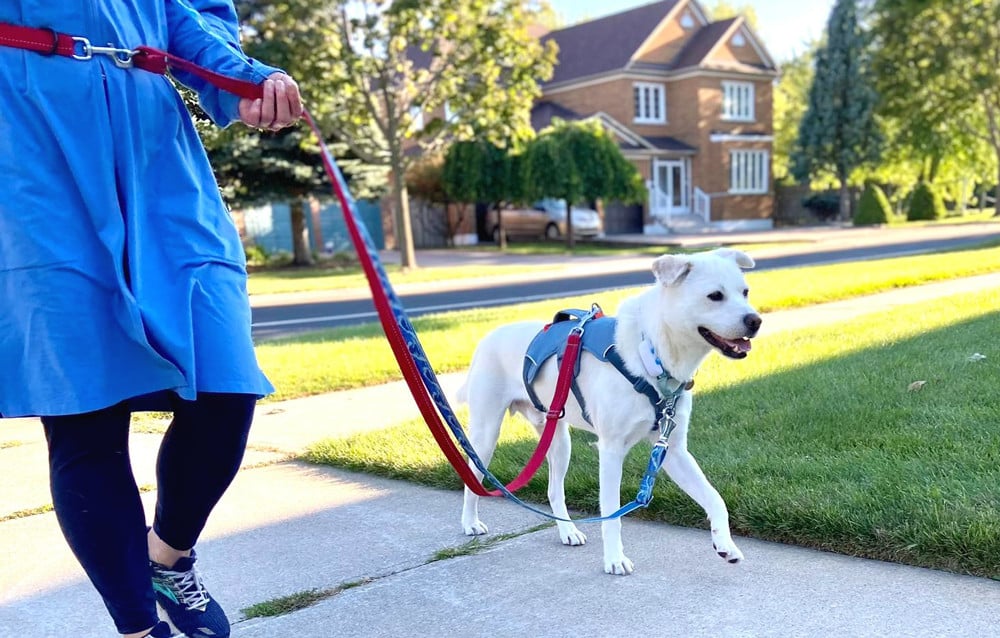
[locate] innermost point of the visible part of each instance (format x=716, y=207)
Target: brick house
x=689, y=102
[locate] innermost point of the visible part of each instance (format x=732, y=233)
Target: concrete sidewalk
x=286, y=527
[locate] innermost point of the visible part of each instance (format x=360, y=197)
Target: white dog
x=699, y=303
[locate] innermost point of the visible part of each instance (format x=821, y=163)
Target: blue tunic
x=121, y=272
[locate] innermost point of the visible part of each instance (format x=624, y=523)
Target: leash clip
x=121, y=57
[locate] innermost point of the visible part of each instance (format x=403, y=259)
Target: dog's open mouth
x=732, y=348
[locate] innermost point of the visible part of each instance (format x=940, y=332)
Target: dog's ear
x=671, y=270
x=742, y=259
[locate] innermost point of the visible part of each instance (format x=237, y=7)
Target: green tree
x=839, y=132
x=578, y=161
x=938, y=65
x=409, y=75
x=480, y=171
x=791, y=97
x=254, y=166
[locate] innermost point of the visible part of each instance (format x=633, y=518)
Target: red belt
x=49, y=42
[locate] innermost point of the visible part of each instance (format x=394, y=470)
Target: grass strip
x=34, y=511
x=295, y=602
x=480, y=544
x=357, y=356
x=816, y=439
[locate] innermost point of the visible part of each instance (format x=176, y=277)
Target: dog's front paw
x=728, y=550
x=570, y=535
x=476, y=528
x=619, y=565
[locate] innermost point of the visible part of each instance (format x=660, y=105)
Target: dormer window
x=687, y=21
x=650, y=103
x=739, y=40
x=738, y=101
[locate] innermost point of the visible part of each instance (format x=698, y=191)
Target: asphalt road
x=297, y=316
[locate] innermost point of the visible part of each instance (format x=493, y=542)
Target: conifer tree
x=839, y=132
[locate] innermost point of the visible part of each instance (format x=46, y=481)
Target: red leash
x=49, y=42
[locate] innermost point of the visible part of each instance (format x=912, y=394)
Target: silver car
x=546, y=218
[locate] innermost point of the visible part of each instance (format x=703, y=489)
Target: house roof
x=605, y=44
x=702, y=43
x=612, y=42
x=671, y=144
x=543, y=113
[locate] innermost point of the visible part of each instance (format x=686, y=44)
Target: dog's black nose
x=752, y=322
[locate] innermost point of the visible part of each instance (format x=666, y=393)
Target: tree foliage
x=790, y=101
x=253, y=166
x=579, y=161
x=938, y=65
x=839, y=132
x=466, y=68
x=482, y=172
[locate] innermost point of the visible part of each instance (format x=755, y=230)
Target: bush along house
x=689, y=102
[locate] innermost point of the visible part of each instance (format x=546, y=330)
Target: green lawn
x=341, y=277
x=269, y=282
x=815, y=439
x=352, y=357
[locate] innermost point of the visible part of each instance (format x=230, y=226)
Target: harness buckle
x=121, y=57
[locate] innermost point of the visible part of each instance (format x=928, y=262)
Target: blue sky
x=783, y=25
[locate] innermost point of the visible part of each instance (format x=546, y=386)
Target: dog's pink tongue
x=740, y=345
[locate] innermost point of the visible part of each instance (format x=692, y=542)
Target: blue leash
x=665, y=421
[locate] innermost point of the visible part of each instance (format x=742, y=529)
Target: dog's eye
x=746, y=293
x=716, y=296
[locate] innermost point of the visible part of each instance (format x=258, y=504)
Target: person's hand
x=280, y=106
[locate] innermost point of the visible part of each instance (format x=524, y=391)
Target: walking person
x=123, y=287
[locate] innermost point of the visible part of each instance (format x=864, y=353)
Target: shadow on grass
x=837, y=454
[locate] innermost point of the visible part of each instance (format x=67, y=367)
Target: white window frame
x=749, y=172
x=650, y=103
x=738, y=101
x=416, y=118
x=449, y=115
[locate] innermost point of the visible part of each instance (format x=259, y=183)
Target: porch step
x=688, y=223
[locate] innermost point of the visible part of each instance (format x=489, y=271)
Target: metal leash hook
x=121, y=57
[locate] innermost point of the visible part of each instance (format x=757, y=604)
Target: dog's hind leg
x=484, y=430
x=558, y=458
x=687, y=474
x=612, y=456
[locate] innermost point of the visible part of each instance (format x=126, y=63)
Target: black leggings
x=97, y=501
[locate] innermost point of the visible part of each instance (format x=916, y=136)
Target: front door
x=670, y=188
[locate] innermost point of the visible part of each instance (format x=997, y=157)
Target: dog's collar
x=667, y=384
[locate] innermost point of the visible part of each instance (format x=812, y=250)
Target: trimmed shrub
x=873, y=208
x=825, y=206
x=925, y=204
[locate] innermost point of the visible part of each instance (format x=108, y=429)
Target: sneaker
x=188, y=605
x=162, y=630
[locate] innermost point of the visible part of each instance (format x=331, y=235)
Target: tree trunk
x=301, y=250
x=404, y=232
x=845, y=201
x=996, y=197
x=570, y=239
x=501, y=231
x=931, y=168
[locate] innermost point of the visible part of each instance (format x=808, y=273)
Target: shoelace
x=188, y=588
